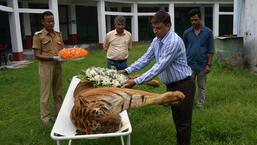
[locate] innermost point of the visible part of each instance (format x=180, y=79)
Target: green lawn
x=228, y=118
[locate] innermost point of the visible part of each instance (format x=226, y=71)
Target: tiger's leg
x=167, y=98
x=138, y=98
x=119, y=99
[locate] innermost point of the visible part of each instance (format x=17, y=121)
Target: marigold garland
x=72, y=53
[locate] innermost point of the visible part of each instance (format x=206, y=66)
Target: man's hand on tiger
x=129, y=83
x=133, y=76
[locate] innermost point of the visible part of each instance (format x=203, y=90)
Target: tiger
x=96, y=110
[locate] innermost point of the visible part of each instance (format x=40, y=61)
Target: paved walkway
x=28, y=58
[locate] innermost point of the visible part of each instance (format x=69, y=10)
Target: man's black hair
x=195, y=12
x=161, y=17
x=46, y=13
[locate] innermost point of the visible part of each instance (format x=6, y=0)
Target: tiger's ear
x=83, y=101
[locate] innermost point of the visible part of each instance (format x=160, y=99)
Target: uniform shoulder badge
x=58, y=32
x=38, y=32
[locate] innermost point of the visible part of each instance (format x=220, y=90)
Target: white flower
x=101, y=77
x=116, y=83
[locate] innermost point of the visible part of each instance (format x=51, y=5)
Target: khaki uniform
x=117, y=46
x=50, y=72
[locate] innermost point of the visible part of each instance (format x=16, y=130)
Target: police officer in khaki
x=46, y=44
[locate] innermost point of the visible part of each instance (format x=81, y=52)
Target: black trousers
x=182, y=113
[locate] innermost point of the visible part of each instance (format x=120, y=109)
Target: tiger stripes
x=96, y=110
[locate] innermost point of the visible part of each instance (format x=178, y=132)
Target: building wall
x=85, y=27
x=249, y=31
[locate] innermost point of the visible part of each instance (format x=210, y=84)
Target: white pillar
x=216, y=19
x=172, y=15
x=101, y=20
x=202, y=10
x=53, y=6
x=134, y=23
x=26, y=20
x=14, y=22
x=73, y=20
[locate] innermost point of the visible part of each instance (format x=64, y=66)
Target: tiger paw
x=172, y=98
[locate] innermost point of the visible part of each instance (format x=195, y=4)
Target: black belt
x=180, y=81
x=119, y=61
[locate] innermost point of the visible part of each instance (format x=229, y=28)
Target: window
x=226, y=8
x=117, y=7
x=226, y=19
x=152, y=8
x=225, y=25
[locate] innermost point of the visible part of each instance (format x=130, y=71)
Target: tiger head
x=94, y=117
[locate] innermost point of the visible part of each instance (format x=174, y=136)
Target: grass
x=228, y=118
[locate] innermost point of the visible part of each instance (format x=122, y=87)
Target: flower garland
x=102, y=77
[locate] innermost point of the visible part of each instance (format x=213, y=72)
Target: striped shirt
x=171, y=61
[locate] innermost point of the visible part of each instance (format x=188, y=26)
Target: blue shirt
x=198, y=48
x=170, y=56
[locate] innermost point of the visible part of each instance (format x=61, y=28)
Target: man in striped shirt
x=168, y=49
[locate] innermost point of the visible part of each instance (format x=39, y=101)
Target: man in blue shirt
x=168, y=49
x=198, y=41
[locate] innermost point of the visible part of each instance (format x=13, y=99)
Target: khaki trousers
x=50, y=73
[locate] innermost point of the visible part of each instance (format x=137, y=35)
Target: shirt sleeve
x=170, y=53
x=185, y=39
x=36, y=42
x=130, y=42
x=61, y=40
x=106, y=42
x=141, y=62
x=210, y=43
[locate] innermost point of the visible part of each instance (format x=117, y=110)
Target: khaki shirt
x=49, y=44
x=117, y=45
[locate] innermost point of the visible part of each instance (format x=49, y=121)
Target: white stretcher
x=64, y=129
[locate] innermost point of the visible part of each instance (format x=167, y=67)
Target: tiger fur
x=96, y=110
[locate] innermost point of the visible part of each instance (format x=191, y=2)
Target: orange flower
x=72, y=53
